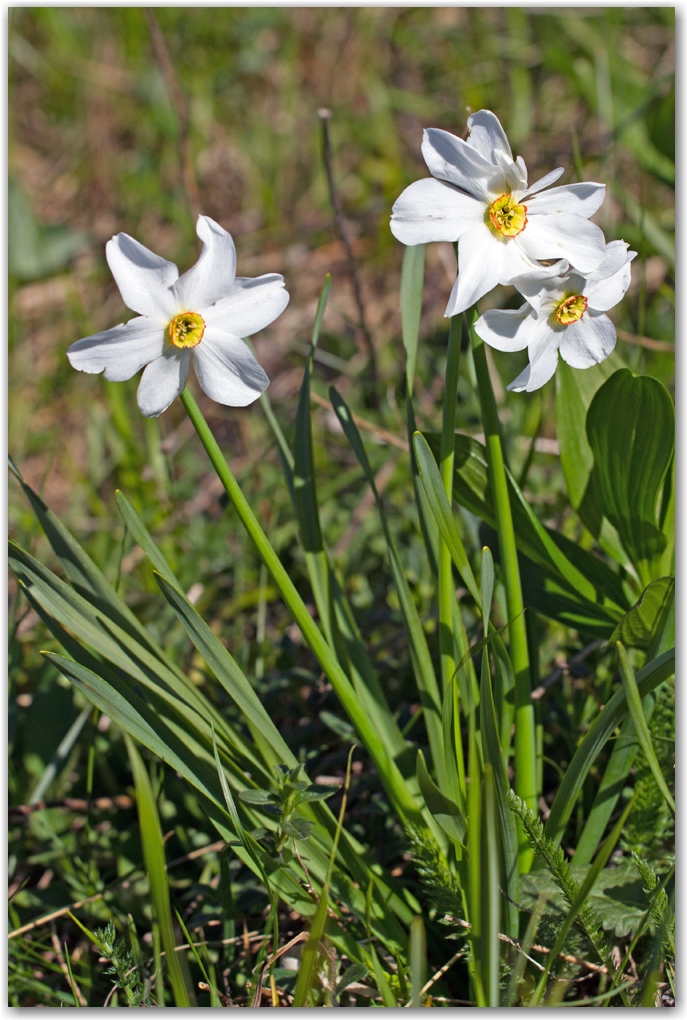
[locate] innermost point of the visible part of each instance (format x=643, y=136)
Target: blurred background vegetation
x=95, y=148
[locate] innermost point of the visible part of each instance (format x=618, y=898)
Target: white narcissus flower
x=563, y=313
x=205, y=312
x=478, y=196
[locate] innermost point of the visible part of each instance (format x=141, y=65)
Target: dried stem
x=365, y=339
x=188, y=177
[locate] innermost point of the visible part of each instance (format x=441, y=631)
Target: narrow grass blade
x=418, y=960
x=491, y=894
x=419, y=650
x=389, y=772
x=445, y=812
x=142, y=536
x=611, y=786
x=153, y=853
x=384, y=988
x=649, y=677
x=311, y=948
x=209, y=978
x=525, y=735
x=412, y=281
x=634, y=702
x=443, y=515
x=61, y=754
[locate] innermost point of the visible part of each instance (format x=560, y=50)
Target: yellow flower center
x=187, y=329
x=572, y=309
x=507, y=216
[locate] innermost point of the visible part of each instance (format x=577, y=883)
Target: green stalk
x=445, y=565
x=525, y=733
x=388, y=771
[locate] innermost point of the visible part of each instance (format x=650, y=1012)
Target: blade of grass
x=389, y=773
x=634, y=702
x=153, y=853
x=491, y=894
x=311, y=948
x=525, y=736
x=412, y=281
x=209, y=981
x=649, y=677
x=422, y=661
x=418, y=960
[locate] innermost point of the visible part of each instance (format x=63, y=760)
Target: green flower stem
x=525, y=730
x=388, y=770
x=445, y=566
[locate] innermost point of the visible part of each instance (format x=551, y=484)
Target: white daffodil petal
x=515, y=263
x=506, y=329
x=604, y=294
x=451, y=159
x=162, y=381
x=144, y=279
x=588, y=341
x=227, y=371
x=213, y=274
x=542, y=183
x=480, y=257
x=617, y=256
x=121, y=352
x=250, y=305
x=432, y=210
x=487, y=135
x=582, y=199
x=564, y=236
x=543, y=354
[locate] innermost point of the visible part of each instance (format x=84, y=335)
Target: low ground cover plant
x=348, y=721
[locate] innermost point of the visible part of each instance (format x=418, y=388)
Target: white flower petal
x=480, y=258
x=451, y=159
x=506, y=329
x=617, y=256
x=250, y=305
x=162, y=381
x=121, y=351
x=487, y=135
x=564, y=236
x=213, y=274
x=227, y=371
x=604, y=294
x=432, y=210
x=582, y=199
x=144, y=279
x=542, y=183
x=588, y=341
x=516, y=263
x=543, y=354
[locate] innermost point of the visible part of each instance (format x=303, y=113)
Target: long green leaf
x=420, y=655
x=634, y=702
x=491, y=894
x=639, y=626
x=439, y=504
x=445, y=811
x=153, y=853
x=412, y=280
x=648, y=679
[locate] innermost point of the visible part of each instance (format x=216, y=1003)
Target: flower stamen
x=572, y=309
x=506, y=216
x=187, y=329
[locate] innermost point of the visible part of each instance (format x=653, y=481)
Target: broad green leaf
x=649, y=677
x=638, y=627
x=154, y=856
x=443, y=809
x=412, y=281
x=631, y=432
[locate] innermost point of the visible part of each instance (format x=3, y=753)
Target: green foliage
x=122, y=964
